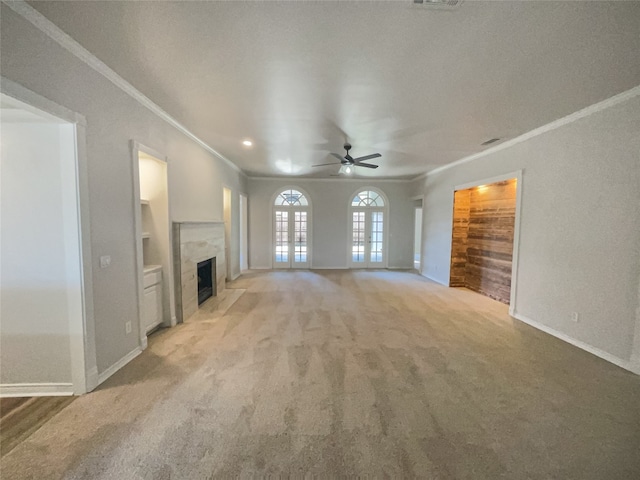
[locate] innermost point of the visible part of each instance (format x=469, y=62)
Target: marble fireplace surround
x=194, y=242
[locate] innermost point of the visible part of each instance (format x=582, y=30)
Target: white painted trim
x=573, y=117
x=314, y=179
x=137, y=238
x=32, y=99
x=83, y=345
x=421, y=176
x=36, y=390
x=65, y=41
x=243, y=240
x=136, y=149
x=487, y=181
x=434, y=280
x=92, y=379
x=119, y=364
x=627, y=365
x=263, y=267
x=227, y=232
x=329, y=268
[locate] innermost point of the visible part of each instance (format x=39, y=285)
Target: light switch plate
x=105, y=261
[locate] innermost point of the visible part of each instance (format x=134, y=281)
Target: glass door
x=291, y=247
x=281, y=251
x=367, y=238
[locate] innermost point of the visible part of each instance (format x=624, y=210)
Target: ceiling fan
x=348, y=161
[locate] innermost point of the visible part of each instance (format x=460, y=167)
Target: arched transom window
x=367, y=198
x=291, y=198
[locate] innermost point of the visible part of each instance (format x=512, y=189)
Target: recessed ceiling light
x=247, y=143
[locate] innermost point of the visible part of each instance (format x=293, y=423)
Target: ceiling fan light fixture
x=346, y=169
x=447, y=4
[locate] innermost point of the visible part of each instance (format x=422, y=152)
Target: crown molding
x=573, y=117
x=54, y=32
x=315, y=179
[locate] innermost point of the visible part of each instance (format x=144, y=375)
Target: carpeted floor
x=345, y=373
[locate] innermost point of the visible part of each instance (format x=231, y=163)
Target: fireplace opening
x=206, y=279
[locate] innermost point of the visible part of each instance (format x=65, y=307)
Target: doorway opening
x=153, y=227
x=482, y=243
x=46, y=335
x=244, y=227
x=226, y=206
x=417, y=236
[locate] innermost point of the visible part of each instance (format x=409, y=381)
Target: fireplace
x=206, y=279
x=195, y=243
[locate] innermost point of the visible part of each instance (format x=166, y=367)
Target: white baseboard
x=433, y=279
x=626, y=364
x=92, y=379
x=36, y=389
x=329, y=268
x=119, y=364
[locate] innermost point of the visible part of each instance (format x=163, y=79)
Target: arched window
x=291, y=198
x=367, y=242
x=291, y=226
x=367, y=198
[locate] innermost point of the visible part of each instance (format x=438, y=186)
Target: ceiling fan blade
x=367, y=157
x=325, y=164
x=368, y=165
x=338, y=157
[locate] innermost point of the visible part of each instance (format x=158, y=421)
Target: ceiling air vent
x=446, y=4
x=489, y=142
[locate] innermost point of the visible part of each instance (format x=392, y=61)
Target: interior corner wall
x=330, y=202
x=579, y=247
x=31, y=59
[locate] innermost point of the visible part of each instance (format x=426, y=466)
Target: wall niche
x=482, y=239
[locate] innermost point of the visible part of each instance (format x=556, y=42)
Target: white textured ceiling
x=422, y=87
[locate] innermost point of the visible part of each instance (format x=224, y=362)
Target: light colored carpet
x=337, y=373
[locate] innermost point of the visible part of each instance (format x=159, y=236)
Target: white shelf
x=144, y=202
x=146, y=235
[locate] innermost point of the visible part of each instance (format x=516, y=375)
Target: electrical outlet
x=105, y=261
x=127, y=327
x=575, y=317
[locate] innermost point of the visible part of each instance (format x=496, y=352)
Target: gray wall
x=330, y=200
x=33, y=60
x=580, y=226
